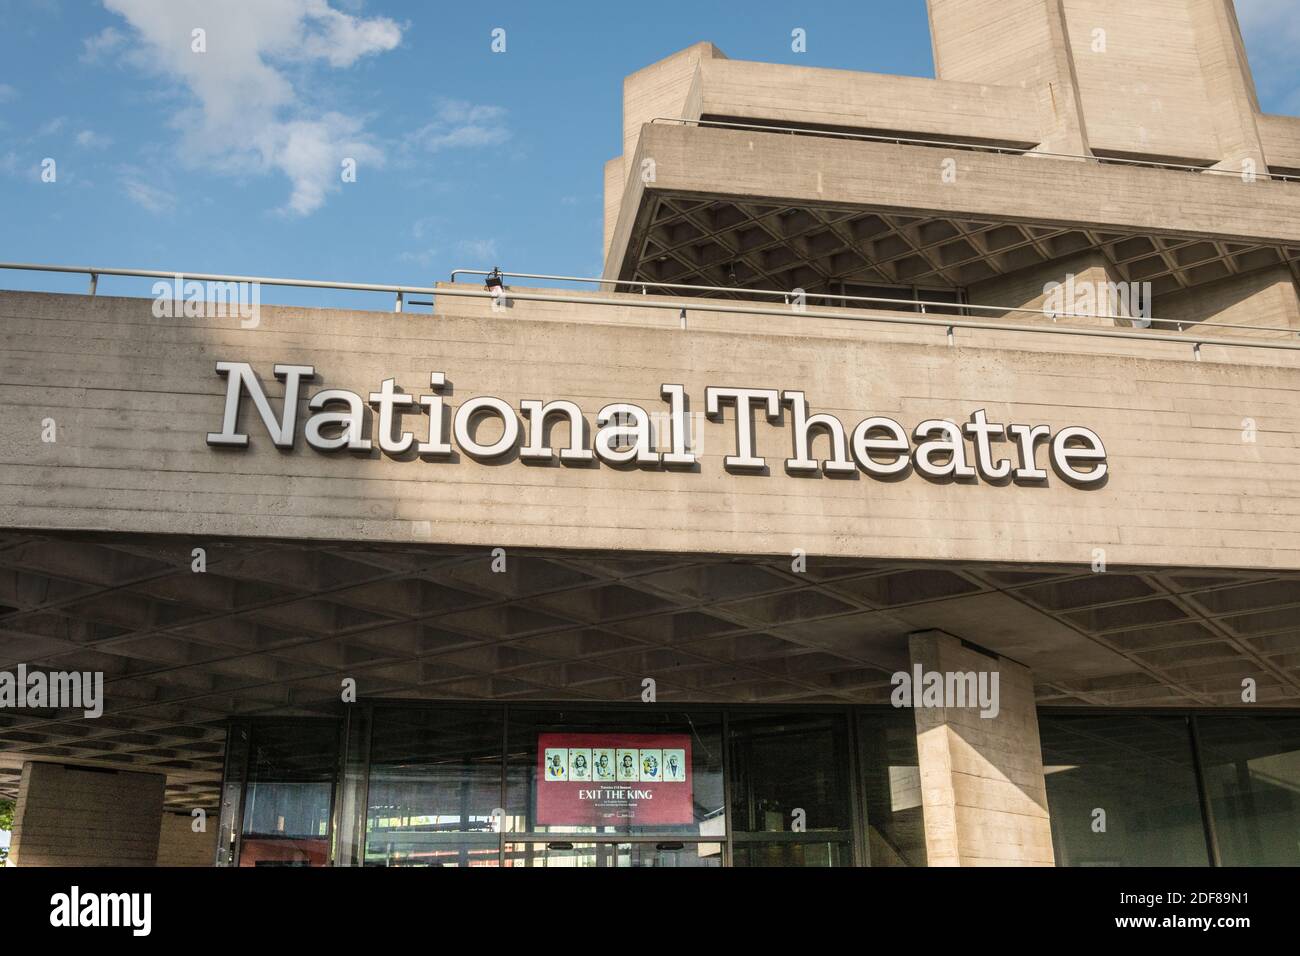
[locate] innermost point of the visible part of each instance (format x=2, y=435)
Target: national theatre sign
x=936, y=448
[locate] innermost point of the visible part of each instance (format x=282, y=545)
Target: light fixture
x=495, y=282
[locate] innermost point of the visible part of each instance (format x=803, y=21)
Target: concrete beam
x=807, y=96
x=134, y=396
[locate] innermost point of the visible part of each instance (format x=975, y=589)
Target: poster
x=614, y=779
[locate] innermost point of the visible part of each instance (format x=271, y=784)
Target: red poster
x=614, y=779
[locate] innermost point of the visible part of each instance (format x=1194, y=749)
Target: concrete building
x=976, y=395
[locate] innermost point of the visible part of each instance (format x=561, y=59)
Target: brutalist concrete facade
x=1148, y=565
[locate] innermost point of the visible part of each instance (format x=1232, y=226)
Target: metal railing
x=969, y=145
x=646, y=284
x=96, y=271
x=950, y=325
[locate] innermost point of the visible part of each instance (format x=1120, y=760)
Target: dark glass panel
x=891, y=787
x=784, y=764
x=1135, y=776
x=1252, y=775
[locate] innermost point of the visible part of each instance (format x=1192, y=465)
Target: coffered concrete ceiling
x=273, y=627
x=716, y=241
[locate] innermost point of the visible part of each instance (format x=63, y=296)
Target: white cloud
x=424, y=258
x=26, y=167
x=424, y=225
x=248, y=116
x=7, y=93
x=311, y=153
x=145, y=194
x=51, y=126
x=97, y=48
x=460, y=124
x=89, y=139
x=478, y=249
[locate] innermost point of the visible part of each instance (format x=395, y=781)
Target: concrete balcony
x=782, y=211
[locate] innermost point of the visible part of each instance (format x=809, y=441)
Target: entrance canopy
x=272, y=627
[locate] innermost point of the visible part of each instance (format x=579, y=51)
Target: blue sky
x=228, y=161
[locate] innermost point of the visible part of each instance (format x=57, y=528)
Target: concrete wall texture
x=74, y=816
x=134, y=396
x=179, y=845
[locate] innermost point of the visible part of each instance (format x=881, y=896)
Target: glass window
x=1252, y=776
x=891, y=788
x=586, y=772
x=1122, y=791
x=573, y=855
x=291, y=770
x=789, y=768
x=435, y=781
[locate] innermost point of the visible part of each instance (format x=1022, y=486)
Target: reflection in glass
x=784, y=763
x=573, y=855
x=286, y=816
x=1252, y=775
x=891, y=783
x=435, y=776
x=1122, y=791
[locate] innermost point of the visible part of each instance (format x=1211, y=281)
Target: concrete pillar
x=614, y=185
x=179, y=845
x=660, y=90
x=82, y=816
x=1232, y=103
x=982, y=790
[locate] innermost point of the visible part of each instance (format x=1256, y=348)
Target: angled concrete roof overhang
x=788, y=211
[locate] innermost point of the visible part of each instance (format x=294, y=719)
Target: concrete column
x=1232, y=103
x=179, y=845
x=1014, y=43
x=81, y=816
x=982, y=790
x=660, y=90
x=614, y=185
